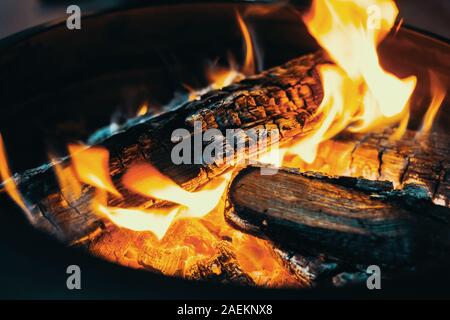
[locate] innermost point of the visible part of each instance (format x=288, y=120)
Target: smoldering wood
x=352, y=219
x=283, y=99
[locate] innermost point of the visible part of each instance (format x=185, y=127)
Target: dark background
x=17, y=15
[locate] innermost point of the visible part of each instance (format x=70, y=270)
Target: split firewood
x=284, y=99
x=352, y=219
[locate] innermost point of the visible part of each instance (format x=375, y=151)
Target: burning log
x=283, y=99
x=417, y=164
x=353, y=219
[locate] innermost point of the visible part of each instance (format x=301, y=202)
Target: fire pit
x=340, y=160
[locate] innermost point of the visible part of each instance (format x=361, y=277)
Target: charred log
x=352, y=219
x=283, y=98
x=417, y=164
x=309, y=270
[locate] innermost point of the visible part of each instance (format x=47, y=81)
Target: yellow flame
x=8, y=181
x=349, y=31
x=358, y=94
x=438, y=93
x=92, y=167
x=148, y=181
x=220, y=77
x=337, y=107
x=156, y=220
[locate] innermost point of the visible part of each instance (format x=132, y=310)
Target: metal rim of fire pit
x=47, y=26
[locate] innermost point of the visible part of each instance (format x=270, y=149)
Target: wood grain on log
x=353, y=219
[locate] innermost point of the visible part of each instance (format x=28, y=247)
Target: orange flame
x=142, y=111
x=220, y=77
x=148, y=181
x=8, y=182
x=337, y=107
x=350, y=36
x=249, y=63
x=92, y=167
x=438, y=93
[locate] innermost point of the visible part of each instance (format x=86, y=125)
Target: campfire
x=299, y=175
